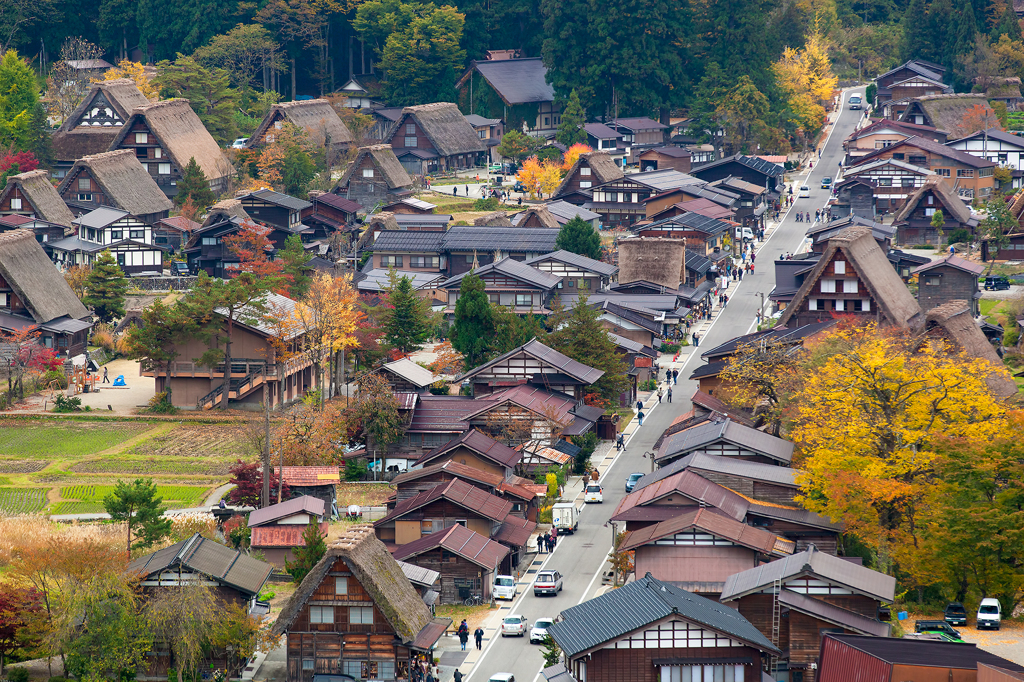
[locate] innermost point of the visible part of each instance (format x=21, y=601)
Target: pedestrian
x=696, y=340
x=660, y=393
x=751, y=268
x=640, y=416
x=670, y=395
x=478, y=634
x=455, y=191
x=726, y=301
x=620, y=442
x=106, y=379
x=467, y=190
x=458, y=675
x=519, y=201
x=675, y=376
x=540, y=544
x=463, y=634
x=753, y=257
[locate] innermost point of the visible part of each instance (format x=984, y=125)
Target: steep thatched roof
x=385, y=161
x=447, y=128
x=652, y=259
x=225, y=208
x=947, y=112
x=125, y=182
x=955, y=319
x=122, y=94
x=182, y=134
x=315, y=116
x=602, y=170
x=28, y=270
x=1017, y=207
x=495, y=219
x=45, y=201
x=953, y=205
x=385, y=220
x=544, y=216
x=379, y=574
x=897, y=305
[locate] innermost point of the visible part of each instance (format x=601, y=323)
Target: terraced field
x=48, y=439
x=152, y=466
x=22, y=500
x=86, y=499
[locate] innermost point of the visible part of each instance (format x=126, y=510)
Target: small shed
x=405, y=376
x=318, y=481
x=277, y=530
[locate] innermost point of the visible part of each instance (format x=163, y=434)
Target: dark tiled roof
x=767, y=167
x=920, y=652
x=729, y=466
x=279, y=199
x=518, y=81
x=460, y=540
x=459, y=492
x=477, y=442
x=582, y=262
x=711, y=369
x=630, y=316
x=511, y=268
x=487, y=239
x=548, y=356
x=305, y=503
x=408, y=241
x=930, y=146
x=639, y=123
x=228, y=566
x=338, y=202
x=691, y=221
x=601, y=131
x=640, y=603
x=440, y=414
x=776, y=335
x=692, y=486
x=729, y=431
x=515, y=531
x=833, y=614
x=674, y=152
x=717, y=524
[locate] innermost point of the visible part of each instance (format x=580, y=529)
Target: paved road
x=581, y=557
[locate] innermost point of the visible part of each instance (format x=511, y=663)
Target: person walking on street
x=458, y=676
x=639, y=405
x=455, y=191
x=660, y=393
x=620, y=442
x=478, y=634
x=675, y=376
x=463, y=634
x=640, y=417
x=106, y=379
x=670, y=395
x=696, y=340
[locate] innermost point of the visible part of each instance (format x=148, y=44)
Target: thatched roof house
x=652, y=259
x=954, y=321
x=181, y=136
x=445, y=126
x=537, y=216
x=591, y=169
x=315, y=116
x=224, y=210
x=95, y=123
x=360, y=552
x=496, y=219
x=953, y=206
x=122, y=182
x=38, y=198
x=947, y=112
x=381, y=157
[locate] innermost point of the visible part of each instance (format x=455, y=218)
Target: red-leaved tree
x=247, y=478
x=20, y=353
x=18, y=607
x=12, y=164
x=252, y=245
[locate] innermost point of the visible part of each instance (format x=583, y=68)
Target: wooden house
x=660, y=158
x=948, y=279
x=405, y=376
x=917, y=86
x=699, y=548
x=409, y=251
x=376, y=177
x=763, y=482
x=639, y=134
x=607, y=140
x=891, y=181
x=525, y=502
x=753, y=200
x=955, y=323
x=949, y=112
x=590, y=170
x=855, y=195
x=512, y=89
x=996, y=145
x=314, y=481
x=234, y=578
x=275, y=209
x=469, y=246
x=277, y=530
x=95, y=122
x=532, y=363
x=512, y=284
x=621, y=202
x=726, y=438
x=436, y=420
x=173, y=233
x=909, y=69
x=853, y=276
x=31, y=194
x=165, y=136
x=490, y=131
x=435, y=137
x=253, y=364
x=333, y=217
x=652, y=631
x=881, y=659
x=750, y=169
x=467, y=561
x=631, y=324
x=578, y=273
x=316, y=117
x=45, y=232
x=654, y=259
x=206, y=248
x=357, y=615
x=639, y=359
x=125, y=236
x=821, y=233
x=115, y=179
x=555, y=214
x=475, y=449
x=883, y=133
x=704, y=207
x=814, y=593
x=33, y=294
x=655, y=206
x=532, y=416
x=410, y=206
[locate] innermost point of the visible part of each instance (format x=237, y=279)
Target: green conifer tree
x=194, y=184
x=19, y=95
x=579, y=334
x=570, y=130
x=296, y=260
x=407, y=321
x=105, y=288
x=473, y=329
x=308, y=554
x=579, y=236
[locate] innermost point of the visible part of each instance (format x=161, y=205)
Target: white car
x=805, y=192
x=990, y=614
x=502, y=677
x=540, y=630
x=595, y=493
x=505, y=587
x=547, y=582
x=240, y=143
x=514, y=625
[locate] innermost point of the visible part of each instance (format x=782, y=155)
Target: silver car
x=539, y=631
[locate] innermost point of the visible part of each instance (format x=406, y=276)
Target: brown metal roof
x=549, y=356
x=515, y=531
x=691, y=486
x=305, y=503
x=440, y=414
x=459, y=540
x=833, y=614
x=210, y=558
x=459, y=492
x=288, y=535
x=431, y=632
x=479, y=443
x=716, y=524
x=310, y=476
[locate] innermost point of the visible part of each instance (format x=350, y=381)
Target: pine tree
x=296, y=267
x=917, y=36
x=570, y=130
x=136, y=504
x=474, y=322
x=579, y=236
x=309, y=554
x=19, y=94
x=406, y=323
x=942, y=26
x=39, y=135
x=580, y=335
x=964, y=37
x=1007, y=25
x=194, y=184
x=105, y=288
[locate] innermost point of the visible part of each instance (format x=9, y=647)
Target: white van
x=855, y=101
x=745, y=233
x=504, y=587
x=805, y=192
x=990, y=614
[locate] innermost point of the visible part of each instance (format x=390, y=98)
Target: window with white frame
x=584, y=171
x=828, y=286
x=321, y=614
x=3, y=300
x=391, y=261
x=158, y=153
x=278, y=125
x=932, y=280
x=839, y=305
x=965, y=172
x=137, y=234
x=410, y=128
x=849, y=286
x=84, y=197
x=367, y=172
x=839, y=267
x=210, y=241
x=16, y=204
x=410, y=140
x=812, y=304
x=353, y=669
x=702, y=673
x=141, y=138
x=524, y=300
x=929, y=212
x=341, y=585
x=84, y=184
x=585, y=184
x=164, y=168
x=360, y=615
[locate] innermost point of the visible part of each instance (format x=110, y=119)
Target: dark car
x=955, y=613
x=519, y=187
x=939, y=626
x=996, y=283
x=826, y=183
x=632, y=480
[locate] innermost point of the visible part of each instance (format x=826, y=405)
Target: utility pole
x=266, y=444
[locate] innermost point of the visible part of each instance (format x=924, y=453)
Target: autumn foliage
x=252, y=246
x=573, y=153
x=540, y=178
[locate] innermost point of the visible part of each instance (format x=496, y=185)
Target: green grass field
x=22, y=500
x=86, y=499
x=987, y=305
x=50, y=439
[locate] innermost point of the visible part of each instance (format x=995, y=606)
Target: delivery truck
x=565, y=517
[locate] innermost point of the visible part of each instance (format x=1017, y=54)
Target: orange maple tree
x=574, y=152
x=252, y=246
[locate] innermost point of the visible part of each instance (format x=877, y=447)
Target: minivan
x=745, y=233
x=504, y=587
x=855, y=101
x=990, y=614
x=996, y=283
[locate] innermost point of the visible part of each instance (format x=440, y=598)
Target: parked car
x=540, y=630
x=826, y=182
x=519, y=187
x=502, y=677
x=940, y=626
x=514, y=625
x=955, y=613
x=632, y=481
x=805, y=191
x=547, y=582
x=745, y=233
x=594, y=493
x=505, y=587
x=240, y=143
x=990, y=614
x=996, y=283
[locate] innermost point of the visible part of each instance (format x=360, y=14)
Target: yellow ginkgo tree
x=805, y=75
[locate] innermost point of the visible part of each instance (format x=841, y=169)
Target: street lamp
x=651, y=455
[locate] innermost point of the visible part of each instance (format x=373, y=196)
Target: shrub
x=1010, y=336
x=959, y=235
x=161, y=404
x=54, y=375
x=587, y=443
x=490, y=204
x=62, y=403
x=17, y=675
x=355, y=470
x=104, y=340
x=439, y=387
x=670, y=347
x=649, y=385
x=544, y=515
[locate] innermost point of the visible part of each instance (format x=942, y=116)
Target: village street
x=581, y=557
